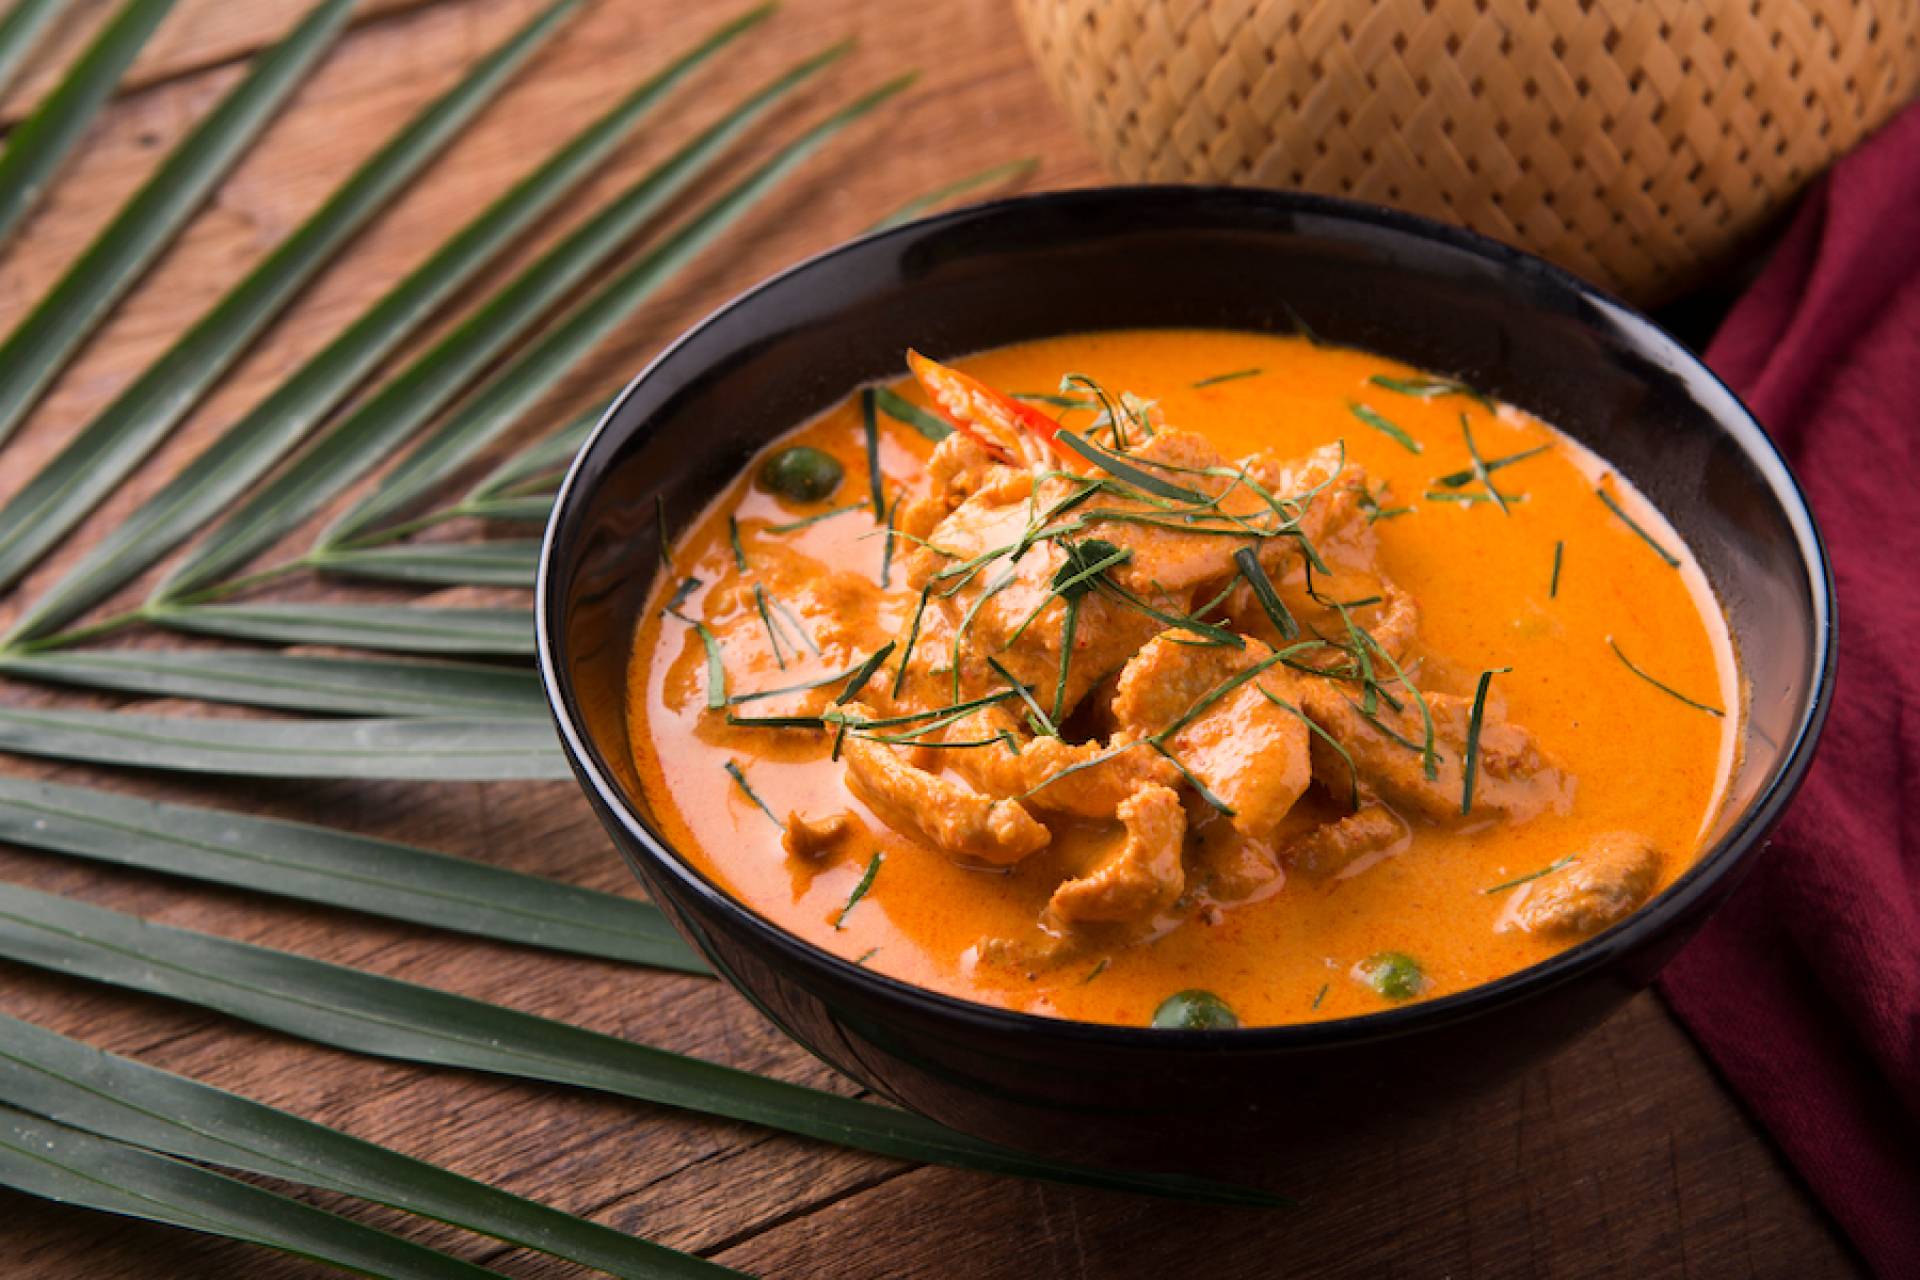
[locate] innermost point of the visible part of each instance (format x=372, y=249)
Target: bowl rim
x=1686, y=896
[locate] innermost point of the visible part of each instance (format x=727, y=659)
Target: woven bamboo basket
x=1639, y=143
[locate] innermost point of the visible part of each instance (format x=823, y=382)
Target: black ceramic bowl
x=1027, y=268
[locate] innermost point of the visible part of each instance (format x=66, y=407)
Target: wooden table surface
x=1625, y=1155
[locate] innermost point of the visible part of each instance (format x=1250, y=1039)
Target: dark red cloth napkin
x=1805, y=990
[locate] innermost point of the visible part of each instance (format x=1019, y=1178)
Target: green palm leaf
x=349, y=448
x=37, y=350
x=498, y=563
x=387, y=1018
x=50, y=1160
x=543, y=457
x=20, y=31
x=499, y=403
x=246, y=450
x=506, y=633
x=125, y=431
x=294, y=682
x=118, y=1098
x=1011, y=172
x=467, y=750
x=335, y=869
x=520, y=489
x=523, y=508
x=435, y=719
x=41, y=142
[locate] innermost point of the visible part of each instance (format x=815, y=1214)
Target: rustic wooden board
x=1625, y=1155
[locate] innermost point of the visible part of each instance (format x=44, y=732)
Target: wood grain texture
x=1623, y=1156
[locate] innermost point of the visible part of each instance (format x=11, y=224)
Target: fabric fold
x=1805, y=989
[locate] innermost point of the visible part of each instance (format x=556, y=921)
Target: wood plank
x=195, y=38
x=1574, y=1170
x=1623, y=1154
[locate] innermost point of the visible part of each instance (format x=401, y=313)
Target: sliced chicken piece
x=807, y=838
x=1142, y=877
x=837, y=610
x=1105, y=633
x=1248, y=752
x=1332, y=847
x=1230, y=869
x=1008, y=611
x=949, y=816
x=1168, y=564
x=1090, y=791
x=1515, y=779
x=994, y=515
x=1335, y=522
x=1332, y=516
x=960, y=466
x=1604, y=882
x=1395, y=622
x=1040, y=950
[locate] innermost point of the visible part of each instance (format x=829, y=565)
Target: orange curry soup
x=1248, y=776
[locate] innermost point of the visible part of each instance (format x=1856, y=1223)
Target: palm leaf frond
x=1010, y=173
x=39, y=348
x=348, y=449
x=111, y=1134
x=520, y=489
x=43, y=140
x=387, y=1018
x=113, y=444
x=293, y=682
x=543, y=457
x=334, y=869
x=500, y=562
x=499, y=404
x=20, y=31
x=246, y=450
x=518, y=508
x=506, y=633
x=447, y=750
x=123, y=1100
x=50, y=1160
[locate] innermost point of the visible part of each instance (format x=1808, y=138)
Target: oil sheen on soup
x=1192, y=677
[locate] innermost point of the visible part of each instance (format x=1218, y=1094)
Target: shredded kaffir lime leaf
x=1234, y=376
x=860, y=890
x=1662, y=686
x=739, y=777
x=902, y=410
x=1469, y=765
x=1673, y=561
x=1517, y=881
x=1379, y=422
x=1085, y=560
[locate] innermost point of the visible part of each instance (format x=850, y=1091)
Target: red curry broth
x=1557, y=588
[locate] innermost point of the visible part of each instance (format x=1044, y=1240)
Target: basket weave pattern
x=1636, y=142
